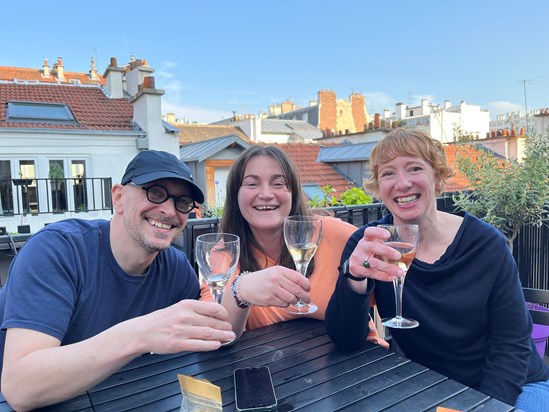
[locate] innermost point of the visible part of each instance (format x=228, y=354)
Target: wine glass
x=217, y=256
x=302, y=235
x=404, y=238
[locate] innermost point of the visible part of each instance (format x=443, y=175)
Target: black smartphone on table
x=254, y=390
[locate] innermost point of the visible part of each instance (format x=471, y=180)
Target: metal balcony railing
x=38, y=195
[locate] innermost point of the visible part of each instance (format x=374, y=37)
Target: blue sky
x=213, y=57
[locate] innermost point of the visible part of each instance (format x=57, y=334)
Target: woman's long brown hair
x=232, y=220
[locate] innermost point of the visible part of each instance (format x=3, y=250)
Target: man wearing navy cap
x=85, y=297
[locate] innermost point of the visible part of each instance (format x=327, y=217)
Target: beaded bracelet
x=241, y=303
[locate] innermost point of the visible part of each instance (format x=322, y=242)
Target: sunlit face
x=153, y=226
x=407, y=187
x=264, y=198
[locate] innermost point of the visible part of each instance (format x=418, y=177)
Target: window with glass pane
x=6, y=188
x=27, y=184
x=39, y=112
x=58, y=186
x=79, y=184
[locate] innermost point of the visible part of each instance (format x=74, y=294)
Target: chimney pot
x=113, y=63
x=148, y=82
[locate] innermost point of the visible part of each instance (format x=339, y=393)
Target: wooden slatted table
x=308, y=372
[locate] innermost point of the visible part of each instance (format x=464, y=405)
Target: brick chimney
x=134, y=78
x=358, y=110
x=147, y=113
x=113, y=80
x=287, y=106
x=377, y=121
x=58, y=69
x=46, y=69
x=327, y=110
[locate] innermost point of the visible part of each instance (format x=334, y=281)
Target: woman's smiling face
x=264, y=198
x=407, y=186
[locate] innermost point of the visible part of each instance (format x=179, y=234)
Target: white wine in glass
x=302, y=235
x=217, y=256
x=404, y=238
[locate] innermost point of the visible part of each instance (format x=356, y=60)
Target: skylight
x=312, y=191
x=39, y=112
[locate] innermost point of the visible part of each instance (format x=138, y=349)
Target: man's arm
x=38, y=372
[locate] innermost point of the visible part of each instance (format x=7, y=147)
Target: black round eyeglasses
x=158, y=194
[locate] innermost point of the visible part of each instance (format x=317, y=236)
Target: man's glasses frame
x=158, y=194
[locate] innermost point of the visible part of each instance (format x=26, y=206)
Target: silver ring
x=365, y=263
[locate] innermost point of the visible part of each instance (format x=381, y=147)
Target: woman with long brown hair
x=263, y=188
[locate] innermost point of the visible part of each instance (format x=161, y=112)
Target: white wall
x=105, y=155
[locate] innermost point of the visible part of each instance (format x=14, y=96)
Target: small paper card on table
x=199, y=395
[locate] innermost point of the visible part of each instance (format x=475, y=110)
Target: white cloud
x=503, y=107
x=165, y=70
x=193, y=114
x=377, y=102
x=164, y=74
x=170, y=64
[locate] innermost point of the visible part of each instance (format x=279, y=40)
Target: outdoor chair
x=538, y=298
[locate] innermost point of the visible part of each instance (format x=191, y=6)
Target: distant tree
x=506, y=193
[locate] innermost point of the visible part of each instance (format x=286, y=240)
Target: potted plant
x=21, y=181
x=506, y=193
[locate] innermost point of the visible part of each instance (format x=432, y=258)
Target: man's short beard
x=148, y=247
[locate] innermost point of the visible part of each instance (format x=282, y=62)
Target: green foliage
x=355, y=196
x=56, y=172
x=508, y=194
x=213, y=212
x=327, y=199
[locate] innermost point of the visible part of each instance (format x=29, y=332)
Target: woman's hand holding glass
x=274, y=286
x=372, y=249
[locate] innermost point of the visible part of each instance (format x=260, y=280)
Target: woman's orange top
x=335, y=234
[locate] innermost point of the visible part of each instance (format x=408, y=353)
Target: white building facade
x=441, y=121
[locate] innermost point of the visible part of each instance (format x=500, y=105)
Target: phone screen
x=254, y=389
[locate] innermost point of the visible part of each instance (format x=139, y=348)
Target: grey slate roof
x=200, y=151
x=297, y=127
x=170, y=127
x=345, y=153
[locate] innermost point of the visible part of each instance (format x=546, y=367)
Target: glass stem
x=217, y=295
x=301, y=267
x=398, y=283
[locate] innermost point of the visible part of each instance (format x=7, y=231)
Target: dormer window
x=38, y=112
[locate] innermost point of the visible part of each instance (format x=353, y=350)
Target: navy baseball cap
x=150, y=165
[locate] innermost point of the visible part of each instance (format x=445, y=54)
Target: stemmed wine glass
x=404, y=238
x=217, y=256
x=302, y=235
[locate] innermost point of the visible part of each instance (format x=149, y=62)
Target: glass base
x=229, y=342
x=399, y=322
x=302, y=308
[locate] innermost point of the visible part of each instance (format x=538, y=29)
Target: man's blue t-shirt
x=65, y=282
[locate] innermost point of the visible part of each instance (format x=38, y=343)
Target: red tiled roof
x=92, y=109
x=458, y=182
x=304, y=156
x=24, y=74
